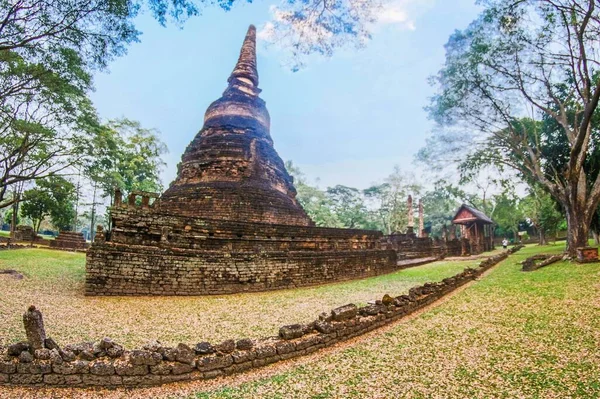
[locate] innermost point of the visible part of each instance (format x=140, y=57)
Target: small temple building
x=477, y=230
x=230, y=221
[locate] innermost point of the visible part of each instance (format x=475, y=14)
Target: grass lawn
x=54, y=283
x=510, y=335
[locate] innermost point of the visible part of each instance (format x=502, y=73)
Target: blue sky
x=345, y=120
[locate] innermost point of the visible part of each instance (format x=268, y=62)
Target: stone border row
x=41, y=362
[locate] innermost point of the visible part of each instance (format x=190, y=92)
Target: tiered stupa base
x=160, y=254
x=69, y=240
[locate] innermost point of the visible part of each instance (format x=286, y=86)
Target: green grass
x=512, y=334
x=54, y=282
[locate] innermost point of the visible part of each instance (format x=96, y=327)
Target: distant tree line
x=384, y=207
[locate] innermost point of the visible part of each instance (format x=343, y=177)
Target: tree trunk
x=577, y=228
x=93, y=218
x=542, y=237
x=596, y=237
x=15, y=214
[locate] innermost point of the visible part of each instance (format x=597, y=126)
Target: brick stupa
x=230, y=221
x=230, y=170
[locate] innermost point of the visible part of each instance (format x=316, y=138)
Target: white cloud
x=402, y=13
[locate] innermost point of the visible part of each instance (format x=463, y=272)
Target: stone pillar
x=145, y=201
x=118, y=197
x=131, y=200
x=34, y=328
x=99, y=237
x=453, y=232
x=421, y=221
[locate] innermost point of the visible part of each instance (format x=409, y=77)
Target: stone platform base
x=69, y=240
x=153, y=253
x=117, y=269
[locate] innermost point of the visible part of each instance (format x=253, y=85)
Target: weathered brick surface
x=409, y=246
x=207, y=256
x=25, y=233
x=69, y=240
x=587, y=254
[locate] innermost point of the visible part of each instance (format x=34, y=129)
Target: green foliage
x=507, y=213
x=48, y=51
x=54, y=197
x=36, y=206
x=42, y=31
x=380, y=207
x=389, y=201
x=127, y=156
x=541, y=211
x=440, y=204
x=314, y=201
x=348, y=205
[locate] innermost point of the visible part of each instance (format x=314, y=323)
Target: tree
x=389, y=201
x=540, y=210
x=62, y=211
x=507, y=213
x=36, y=206
x=320, y=26
x=526, y=57
x=347, y=203
x=44, y=119
x=441, y=203
x=314, y=201
x=54, y=197
x=127, y=156
x=48, y=50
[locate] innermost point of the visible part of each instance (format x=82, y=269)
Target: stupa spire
x=245, y=71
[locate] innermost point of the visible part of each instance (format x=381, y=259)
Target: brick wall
x=151, y=253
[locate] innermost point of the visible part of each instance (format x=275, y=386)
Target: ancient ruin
x=25, y=233
x=230, y=221
x=69, y=240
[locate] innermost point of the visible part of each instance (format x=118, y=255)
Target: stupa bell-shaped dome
x=230, y=170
